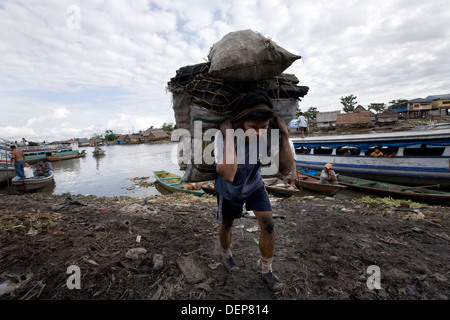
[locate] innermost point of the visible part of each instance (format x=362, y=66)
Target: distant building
x=129, y=139
x=436, y=104
x=360, y=119
x=388, y=116
x=327, y=120
x=152, y=135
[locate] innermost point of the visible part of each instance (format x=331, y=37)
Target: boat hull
x=277, y=186
x=66, y=156
x=311, y=183
x=172, y=182
x=402, y=172
x=414, y=163
x=98, y=152
x=6, y=173
x=418, y=194
x=32, y=183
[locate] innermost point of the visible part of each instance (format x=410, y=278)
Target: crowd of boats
x=415, y=165
x=36, y=154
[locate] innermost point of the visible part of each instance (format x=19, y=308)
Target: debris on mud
x=167, y=248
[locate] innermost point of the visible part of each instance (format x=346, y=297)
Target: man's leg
x=225, y=235
x=266, y=247
x=226, y=214
x=266, y=238
x=19, y=169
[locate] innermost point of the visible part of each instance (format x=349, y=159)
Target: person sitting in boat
x=377, y=153
x=40, y=170
x=390, y=153
x=48, y=168
x=28, y=170
x=327, y=175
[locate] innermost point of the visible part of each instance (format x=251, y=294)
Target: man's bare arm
x=286, y=158
x=227, y=169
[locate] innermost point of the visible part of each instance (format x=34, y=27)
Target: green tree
x=311, y=113
x=377, y=107
x=349, y=103
x=398, y=103
x=169, y=127
x=109, y=135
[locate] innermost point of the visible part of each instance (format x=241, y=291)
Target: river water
x=111, y=174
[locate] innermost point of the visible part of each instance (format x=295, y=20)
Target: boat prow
x=173, y=183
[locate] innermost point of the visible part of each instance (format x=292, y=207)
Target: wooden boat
x=276, y=185
x=417, y=158
x=312, y=183
x=34, y=154
x=208, y=187
x=98, y=152
x=72, y=155
x=172, y=182
x=417, y=193
x=32, y=183
x=7, y=171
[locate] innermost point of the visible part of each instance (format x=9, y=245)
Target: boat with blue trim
x=7, y=171
x=408, y=157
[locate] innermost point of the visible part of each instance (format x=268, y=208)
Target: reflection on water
x=110, y=174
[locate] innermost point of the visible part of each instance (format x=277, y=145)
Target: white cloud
x=112, y=72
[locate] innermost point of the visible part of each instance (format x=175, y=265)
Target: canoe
x=56, y=157
x=172, y=182
x=418, y=194
x=276, y=185
x=32, y=183
x=312, y=183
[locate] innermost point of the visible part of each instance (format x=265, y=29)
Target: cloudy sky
x=78, y=67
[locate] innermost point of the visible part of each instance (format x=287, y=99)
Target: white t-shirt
x=28, y=172
x=302, y=121
x=324, y=174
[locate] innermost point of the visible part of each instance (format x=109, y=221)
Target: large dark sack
x=202, y=171
x=214, y=94
x=248, y=56
x=186, y=74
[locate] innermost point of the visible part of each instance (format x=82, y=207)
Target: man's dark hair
x=13, y=147
x=250, y=100
x=258, y=115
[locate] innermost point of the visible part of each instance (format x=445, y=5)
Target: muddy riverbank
x=324, y=249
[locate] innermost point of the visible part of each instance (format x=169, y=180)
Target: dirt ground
x=324, y=249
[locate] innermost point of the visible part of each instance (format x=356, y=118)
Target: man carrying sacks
x=239, y=180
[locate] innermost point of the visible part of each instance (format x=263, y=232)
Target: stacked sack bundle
x=208, y=92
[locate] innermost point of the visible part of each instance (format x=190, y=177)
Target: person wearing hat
x=327, y=175
x=239, y=180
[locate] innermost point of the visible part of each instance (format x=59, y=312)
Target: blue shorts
x=258, y=201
